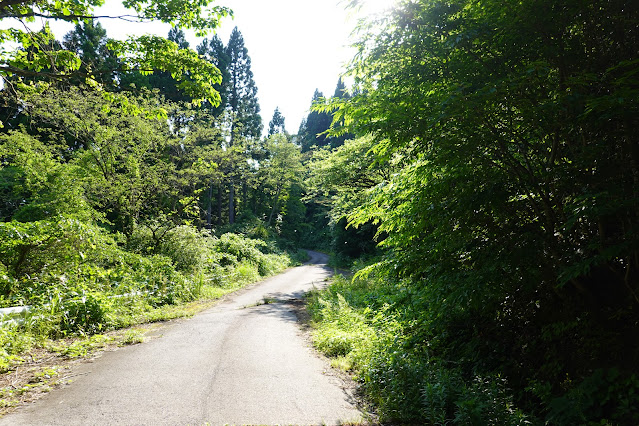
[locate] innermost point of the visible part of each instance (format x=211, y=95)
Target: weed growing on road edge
x=34, y=382
x=132, y=337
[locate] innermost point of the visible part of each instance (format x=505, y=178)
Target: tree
x=35, y=184
x=241, y=90
x=276, y=125
x=89, y=41
x=342, y=178
x=215, y=52
x=238, y=111
x=177, y=36
x=130, y=168
x=515, y=210
x=346, y=174
x=185, y=14
x=36, y=58
x=341, y=92
x=294, y=227
x=313, y=127
x=282, y=169
x=204, y=146
x=243, y=108
x=164, y=81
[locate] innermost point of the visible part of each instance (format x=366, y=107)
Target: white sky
x=295, y=46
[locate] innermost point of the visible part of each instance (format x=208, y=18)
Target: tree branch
x=8, y=3
x=28, y=73
x=73, y=17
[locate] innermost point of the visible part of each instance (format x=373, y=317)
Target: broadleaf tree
x=37, y=58
x=514, y=212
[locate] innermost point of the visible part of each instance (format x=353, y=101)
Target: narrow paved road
x=240, y=362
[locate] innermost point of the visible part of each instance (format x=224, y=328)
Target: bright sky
x=295, y=46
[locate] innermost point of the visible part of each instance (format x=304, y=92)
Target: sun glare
x=375, y=7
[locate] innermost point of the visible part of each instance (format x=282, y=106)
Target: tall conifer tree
x=340, y=93
x=276, y=125
x=177, y=36
x=241, y=89
x=242, y=103
x=312, y=128
x=89, y=40
x=163, y=80
x=215, y=52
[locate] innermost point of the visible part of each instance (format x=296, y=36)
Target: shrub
x=232, y=248
x=606, y=394
x=487, y=401
x=240, y=247
x=85, y=314
x=47, y=247
x=14, y=340
x=270, y=264
x=243, y=273
x=164, y=284
x=80, y=281
x=187, y=247
x=340, y=329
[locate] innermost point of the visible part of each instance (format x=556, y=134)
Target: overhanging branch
x=8, y=69
x=72, y=17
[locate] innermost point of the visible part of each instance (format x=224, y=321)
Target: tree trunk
x=231, y=203
x=275, y=204
x=209, y=210
x=244, y=203
x=219, y=204
x=254, y=201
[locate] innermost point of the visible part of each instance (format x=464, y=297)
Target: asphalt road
x=241, y=362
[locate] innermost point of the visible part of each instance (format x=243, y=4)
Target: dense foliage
x=511, y=215
x=92, y=192
x=107, y=177
x=313, y=131
x=41, y=55
x=485, y=164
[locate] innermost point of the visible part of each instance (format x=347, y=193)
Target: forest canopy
x=510, y=220
x=40, y=55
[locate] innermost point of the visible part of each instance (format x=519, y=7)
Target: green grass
x=132, y=337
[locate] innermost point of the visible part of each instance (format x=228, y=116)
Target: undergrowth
x=79, y=280
x=417, y=367
x=366, y=326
